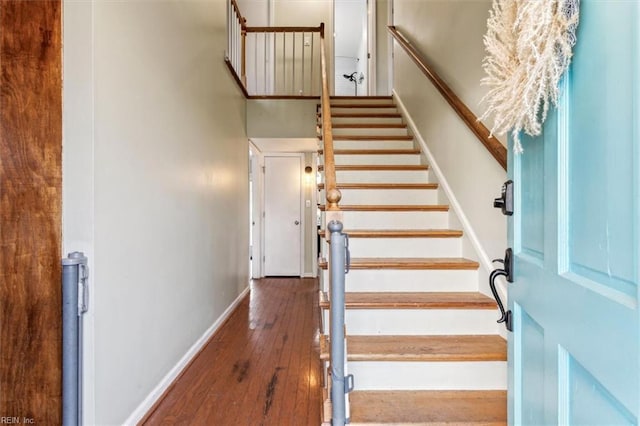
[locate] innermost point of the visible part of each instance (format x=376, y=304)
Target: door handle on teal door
x=505, y=201
x=507, y=272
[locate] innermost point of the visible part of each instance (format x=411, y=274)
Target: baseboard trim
x=442, y=181
x=156, y=395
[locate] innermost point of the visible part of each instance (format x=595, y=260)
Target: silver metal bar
x=74, y=304
x=337, y=263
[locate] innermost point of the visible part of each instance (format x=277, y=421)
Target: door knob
x=505, y=201
x=297, y=222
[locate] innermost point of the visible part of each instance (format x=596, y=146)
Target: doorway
x=283, y=251
x=354, y=29
x=255, y=212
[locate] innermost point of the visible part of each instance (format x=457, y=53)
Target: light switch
x=307, y=203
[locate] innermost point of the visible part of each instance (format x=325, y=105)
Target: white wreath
x=528, y=45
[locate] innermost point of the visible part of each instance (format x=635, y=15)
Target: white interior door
x=282, y=215
x=350, y=21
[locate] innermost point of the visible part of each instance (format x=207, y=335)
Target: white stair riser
x=386, y=280
x=396, y=220
x=390, y=375
x=407, y=159
x=382, y=110
x=346, y=144
x=420, y=321
x=389, y=196
x=352, y=120
x=402, y=247
x=405, y=247
x=383, y=176
x=370, y=131
x=361, y=100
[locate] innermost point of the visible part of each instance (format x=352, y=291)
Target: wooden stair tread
x=486, y=407
x=422, y=348
x=414, y=300
x=365, y=105
x=366, y=126
x=361, y=97
x=408, y=263
x=383, y=185
x=372, y=151
x=392, y=207
x=400, y=233
x=387, y=138
x=366, y=115
x=378, y=167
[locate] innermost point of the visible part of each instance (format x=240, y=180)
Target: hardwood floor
x=262, y=367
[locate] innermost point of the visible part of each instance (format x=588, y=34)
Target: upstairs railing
x=281, y=62
x=495, y=148
x=236, y=25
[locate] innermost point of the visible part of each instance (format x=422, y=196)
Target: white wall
x=307, y=13
x=291, y=118
x=256, y=12
x=449, y=34
x=155, y=186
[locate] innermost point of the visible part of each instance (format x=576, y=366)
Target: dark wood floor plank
x=258, y=401
x=291, y=363
x=261, y=367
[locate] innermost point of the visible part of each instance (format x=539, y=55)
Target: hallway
x=261, y=368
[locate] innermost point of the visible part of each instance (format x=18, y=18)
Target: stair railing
x=281, y=62
x=263, y=66
x=338, y=258
x=495, y=148
x=236, y=27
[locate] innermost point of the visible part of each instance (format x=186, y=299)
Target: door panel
x=575, y=235
x=282, y=221
x=30, y=211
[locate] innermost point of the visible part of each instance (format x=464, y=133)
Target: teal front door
x=573, y=353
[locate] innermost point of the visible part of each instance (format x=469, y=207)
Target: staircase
x=422, y=341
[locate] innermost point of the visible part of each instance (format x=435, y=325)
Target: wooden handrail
x=283, y=29
x=333, y=194
x=495, y=148
x=236, y=9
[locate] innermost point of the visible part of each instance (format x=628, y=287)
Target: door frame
x=314, y=212
x=257, y=203
x=391, y=46
x=372, y=86
x=302, y=226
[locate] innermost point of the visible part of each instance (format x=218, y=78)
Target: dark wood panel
x=30, y=210
x=262, y=367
